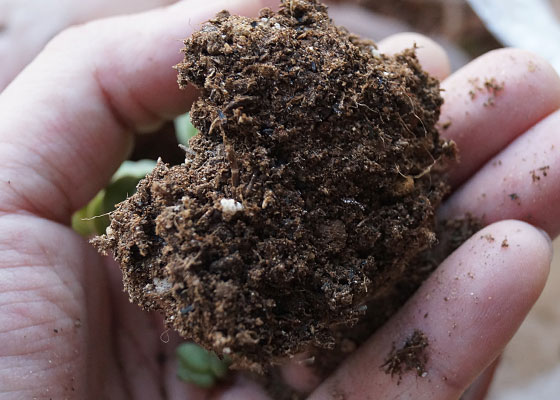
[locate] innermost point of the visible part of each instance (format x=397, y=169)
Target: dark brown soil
x=305, y=201
x=411, y=356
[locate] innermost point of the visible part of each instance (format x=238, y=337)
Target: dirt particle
x=536, y=174
x=337, y=394
x=411, y=356
x=531, y=66
x=187, y=309
x=489, y=238
x=505, y=243
x=491, y=88
x=513, y=196
x=475, y=87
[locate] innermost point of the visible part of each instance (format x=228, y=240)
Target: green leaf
x=200, y=379
x=92, y=219
x=219, y=367
x=88, y=220
x=138, y=169
x=194, y=357
x=184, y=129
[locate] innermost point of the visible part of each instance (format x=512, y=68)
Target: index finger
x=65, y=122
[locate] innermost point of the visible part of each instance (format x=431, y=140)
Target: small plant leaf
x=194, y=357
x=200, y=379
x=184, y=129
x=219, y=367
x=92, y=219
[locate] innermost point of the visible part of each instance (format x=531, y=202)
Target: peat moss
x=304, y=199
x=410, y=357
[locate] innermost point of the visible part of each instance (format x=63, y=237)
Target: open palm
x=67, y=329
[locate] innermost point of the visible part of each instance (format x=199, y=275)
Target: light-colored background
x=530, y=367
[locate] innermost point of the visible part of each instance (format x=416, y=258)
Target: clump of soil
x=305, y=198
x=410, y=357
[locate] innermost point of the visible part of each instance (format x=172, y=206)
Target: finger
x=66, y=118
x=431, y=55
x=298, y=373
x=479, y=388
x=365, y=23
x=493, y=100
x=468, y=310
x=242, y=389
x=521, y=182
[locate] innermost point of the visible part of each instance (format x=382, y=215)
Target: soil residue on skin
x=490, y=88
x=536, y=174
x=306, y=199
x=410, y=357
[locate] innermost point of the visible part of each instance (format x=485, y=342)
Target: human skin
x=27, y=25
x=68, y=331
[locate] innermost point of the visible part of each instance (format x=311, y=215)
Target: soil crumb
x=490, y=87
x=307, y=198
x=410, y=357
x=543, y=171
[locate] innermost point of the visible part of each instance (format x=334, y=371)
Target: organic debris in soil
x=305, y=197
x=410, y=357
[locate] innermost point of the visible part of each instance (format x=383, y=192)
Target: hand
x=67, y=330
x=27, y=25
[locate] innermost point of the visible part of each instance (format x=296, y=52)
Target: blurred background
x=530, y=366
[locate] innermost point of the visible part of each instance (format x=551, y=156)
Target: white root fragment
x=230, y=206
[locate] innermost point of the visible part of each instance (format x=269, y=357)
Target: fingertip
x=468, y=310
x=298, y=374
x=526, y=61
x=243, y=388
x=494, y=100
x=519, y=66
x=525, y=250
x=431, y=55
